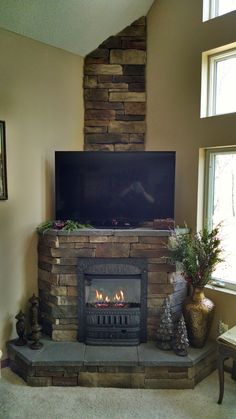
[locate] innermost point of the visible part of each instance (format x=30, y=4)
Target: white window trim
x=208, y=203
x=214, y=8
x=210, y=9
x=208, y=77
x=206, y=10
x=220, y=288
x=213, y=60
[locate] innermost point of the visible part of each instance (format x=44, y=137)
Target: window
x=220, y=207
x=224, y=6
x=219, y=81
x=222, y=83
x=214, y=8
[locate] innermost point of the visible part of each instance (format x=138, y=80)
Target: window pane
x=225, y=6
x=224, y=211
x=225, y=101
x=214, y=8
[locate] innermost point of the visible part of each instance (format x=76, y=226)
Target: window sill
x=224, y=290
x=230, y=114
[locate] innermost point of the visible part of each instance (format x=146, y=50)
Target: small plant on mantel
x=68, y=225
x=198, y=253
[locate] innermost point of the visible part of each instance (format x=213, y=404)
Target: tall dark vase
x=198, y=313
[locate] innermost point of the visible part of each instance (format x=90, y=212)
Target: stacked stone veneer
x=73, y=364
x=59, y=253
x=114, y=92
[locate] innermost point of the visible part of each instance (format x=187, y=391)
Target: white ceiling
x=78, y=26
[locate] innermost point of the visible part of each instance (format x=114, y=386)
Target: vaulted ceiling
x=78, y=26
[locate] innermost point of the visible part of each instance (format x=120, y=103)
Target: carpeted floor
x=17, y=400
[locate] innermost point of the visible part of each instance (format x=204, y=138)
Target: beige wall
x=176, y=39
x=224, y=308
x=42, y=104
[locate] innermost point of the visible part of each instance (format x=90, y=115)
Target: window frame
x=214, y=9
x=213, y=60
x=209, y=201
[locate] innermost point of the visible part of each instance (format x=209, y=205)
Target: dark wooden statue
x=20, y=329
x=35, y=326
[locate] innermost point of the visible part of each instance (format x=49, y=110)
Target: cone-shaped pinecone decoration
x=180, y=339
x=165, y=327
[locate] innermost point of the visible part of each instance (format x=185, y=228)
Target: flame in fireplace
x=117, y=297
x=101, y=297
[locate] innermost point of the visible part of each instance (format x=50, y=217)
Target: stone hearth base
x=143, y=366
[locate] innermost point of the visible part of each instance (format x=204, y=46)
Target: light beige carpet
x=17, y=400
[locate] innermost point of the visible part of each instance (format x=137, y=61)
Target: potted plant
x=198, y=255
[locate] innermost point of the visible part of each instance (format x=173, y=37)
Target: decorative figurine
x=35, y=336
x=165, y=327
x=20, y=329
x=35, y=327
x=34, y=310
x=180, y=339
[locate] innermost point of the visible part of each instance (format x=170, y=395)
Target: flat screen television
x=114, y=189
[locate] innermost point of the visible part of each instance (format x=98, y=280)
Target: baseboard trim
x=5, y=363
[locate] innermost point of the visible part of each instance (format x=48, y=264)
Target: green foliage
x=68, y=225
x=47, y=225
x=198, y=253
x=71, y=225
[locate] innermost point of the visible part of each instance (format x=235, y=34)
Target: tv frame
x=114, y=222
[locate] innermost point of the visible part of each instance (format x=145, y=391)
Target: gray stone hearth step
x=143, y=366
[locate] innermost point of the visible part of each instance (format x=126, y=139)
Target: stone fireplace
x=106, y=286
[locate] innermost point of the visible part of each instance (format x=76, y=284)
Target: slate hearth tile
x=109, y=232
x=61, y=354
x=51, y=354
x=150, y=355
x=141, y=232
x=81, y=232
x=23, y=352
x=197, y=355
x=111, y=355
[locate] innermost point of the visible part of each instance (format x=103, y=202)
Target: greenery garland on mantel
x=68, y=225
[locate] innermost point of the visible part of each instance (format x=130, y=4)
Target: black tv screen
x=114, y=188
